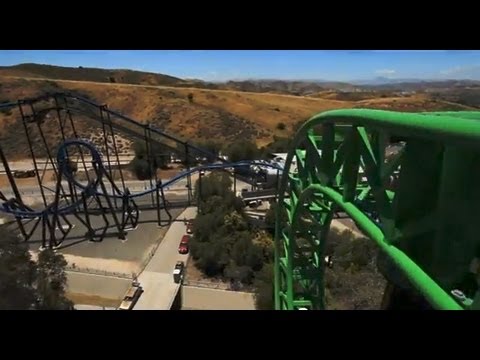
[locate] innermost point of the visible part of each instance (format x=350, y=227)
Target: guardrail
x=246, y=195
x=207, y=284
x=92, y=271
x=217, y=286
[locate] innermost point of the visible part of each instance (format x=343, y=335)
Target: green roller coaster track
x=425, y=225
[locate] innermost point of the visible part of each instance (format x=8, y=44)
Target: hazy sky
x=219, y=65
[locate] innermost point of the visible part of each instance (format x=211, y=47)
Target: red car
x=183, y=248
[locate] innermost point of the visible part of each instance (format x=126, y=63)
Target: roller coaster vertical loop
x=408, y=181
x=95, y=194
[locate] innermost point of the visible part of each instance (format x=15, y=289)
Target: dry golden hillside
x=415, y=103
x=222, y=115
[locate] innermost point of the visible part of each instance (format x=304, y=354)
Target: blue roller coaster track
x=33, y=115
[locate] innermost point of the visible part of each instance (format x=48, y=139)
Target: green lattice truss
x=427, y=224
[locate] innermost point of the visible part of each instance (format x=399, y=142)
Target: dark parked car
x=178, y=271
x=20, y=174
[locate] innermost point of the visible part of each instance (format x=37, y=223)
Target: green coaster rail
x=426, y=226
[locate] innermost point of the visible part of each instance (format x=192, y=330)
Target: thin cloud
x=463, y=71
x=409, y=51
x=386, y=72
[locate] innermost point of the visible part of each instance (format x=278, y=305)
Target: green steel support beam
x=426, y=224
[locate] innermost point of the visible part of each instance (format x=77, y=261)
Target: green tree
x=140, y=149
x=245, y=253
x=72, y=166
x=241, y=273
x=242, y=150
x=279, y=145
x=160, y=155
x=17, y=274
x=148, y=159
x=210, y=146
x=51, y=281
x=235, y=222
x=27, y=285
x=215, y=204
x=180, y=152
x=270, y=217
x=206, y=224
x=141, y=168
x=264, y=241
x=263, y=284
x=210, y=257
x=224, y=244
x=213, y=184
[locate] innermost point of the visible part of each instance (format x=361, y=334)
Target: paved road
x=46, y=164
x=173, y=196
x=157, y=278
x=177, y=192
x=92, y=307
x=133, y=185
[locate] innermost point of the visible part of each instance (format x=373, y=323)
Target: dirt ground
x=194, y=274
x=92, y=300
x=109, y=265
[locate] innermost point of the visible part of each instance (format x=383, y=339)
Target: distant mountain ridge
x=384, y=81
x=292, y=87
x=89, y=74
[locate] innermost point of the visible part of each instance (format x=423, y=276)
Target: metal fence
x=86, y=270
x=217, y=285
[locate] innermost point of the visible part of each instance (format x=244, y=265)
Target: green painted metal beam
x=421, y=223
